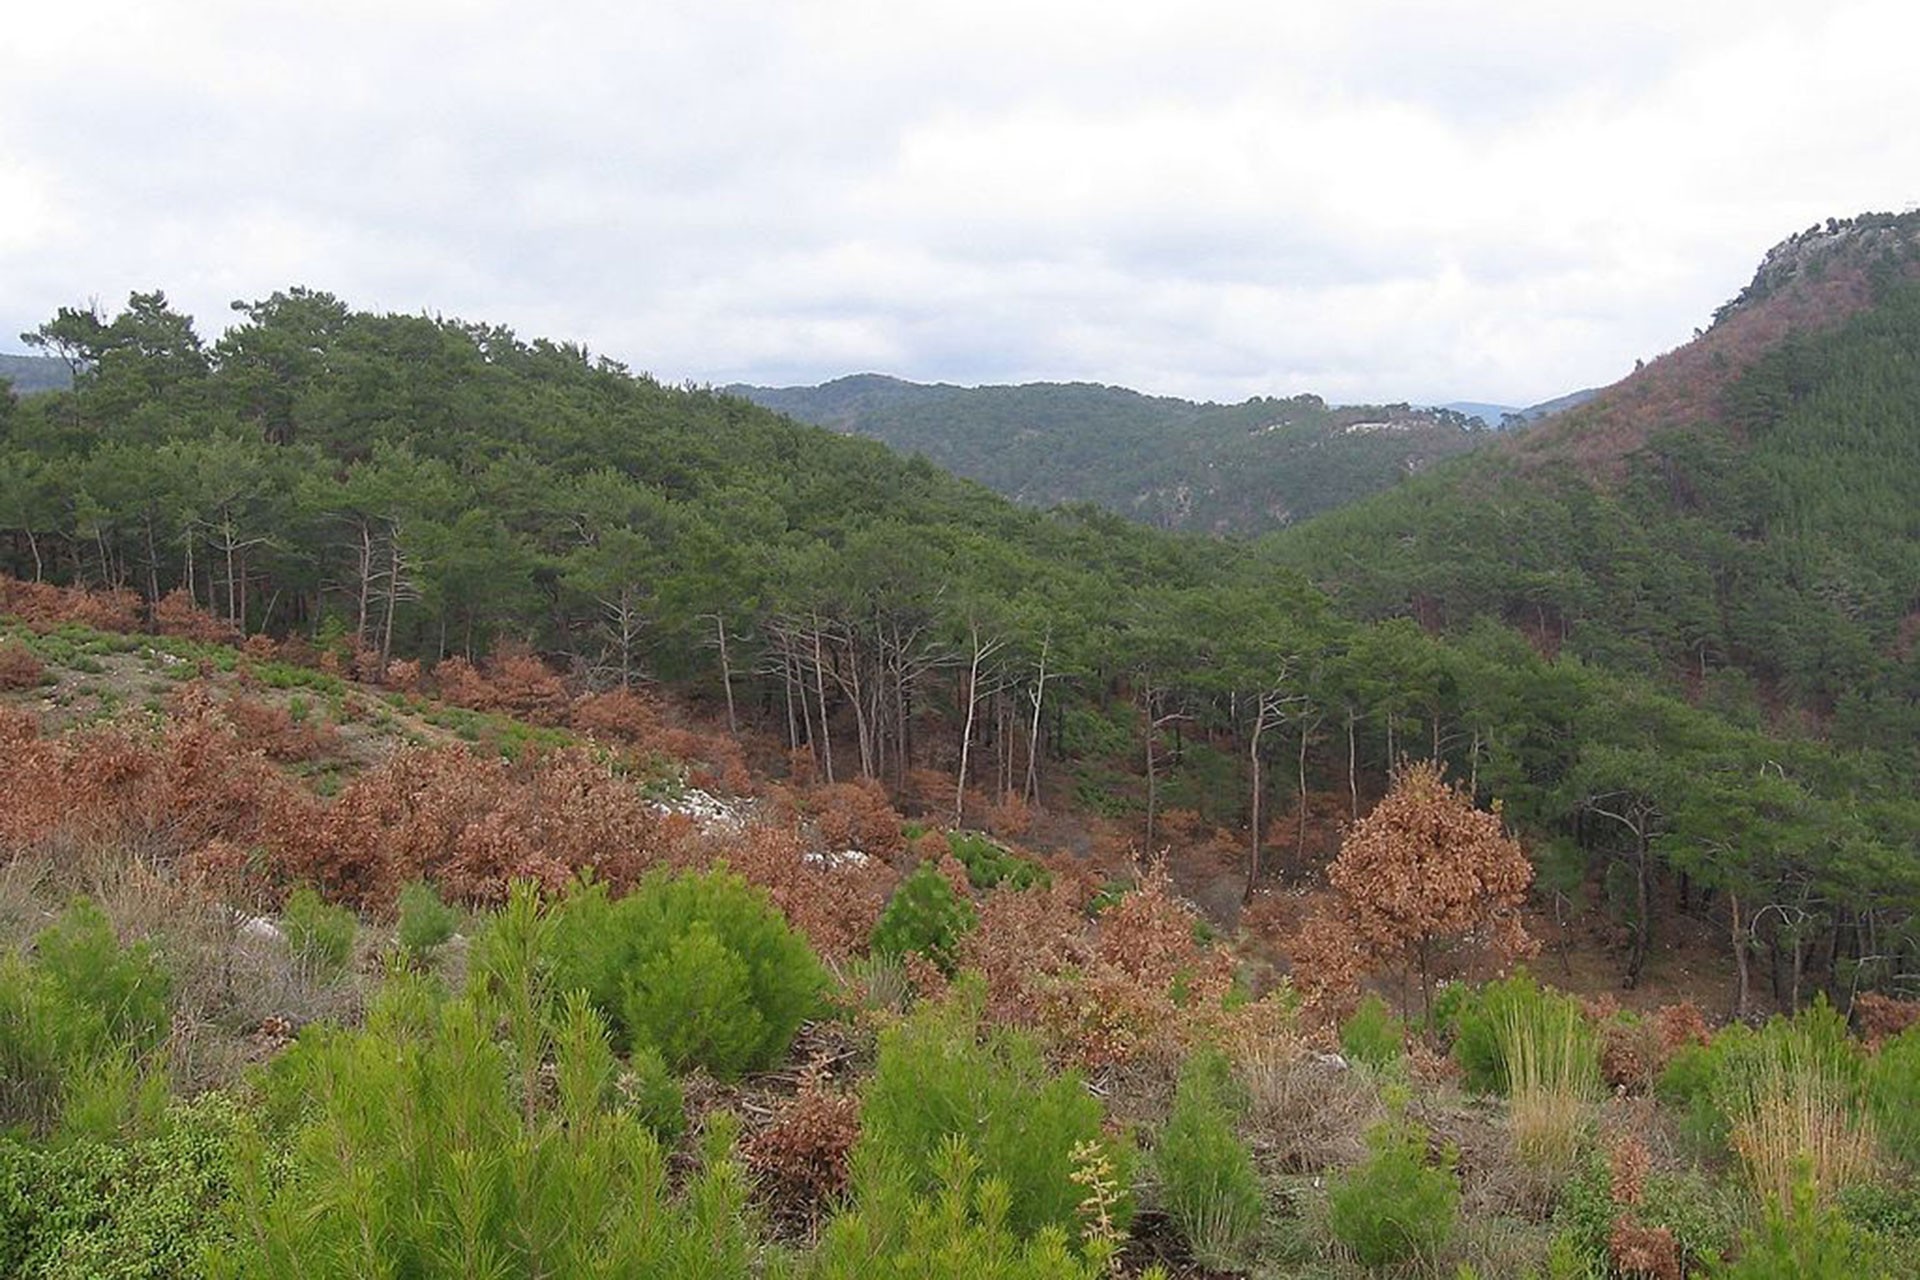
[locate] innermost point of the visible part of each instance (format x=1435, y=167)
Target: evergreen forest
x=472, y=809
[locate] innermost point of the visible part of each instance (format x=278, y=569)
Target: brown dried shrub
x=402, y=674
x=20, y=668
x=836, y=903
x=801, y=1158
x=469, y=823
x=261, y=647
x=271, y=729
x=1627, y=1166
x=1643, y=1253
x=18, y=727
x=1630, y=1056
x=176, y=614
x=1135, y=982
x=856, y=815
x=1423, y=875
x=624, y=714
x=43, y=606
x=1882, y=1017
x=524, y=685
x=459, y=682
x=1010, y=817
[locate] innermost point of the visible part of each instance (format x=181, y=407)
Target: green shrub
x=1805, y=1241
x=1485, y=1023
x=961, y=1230
x=123, y=991
x=1371, y=1034
x=141, y=1209
x=418, y=1156
x=700, y=966
x=1206, y=1172
x=1796, y=1088
x=319, y=935
x=926, y=916
x=425, y=921
x=1889, y=1210
x=990, y=865
x=1893, y=1089
x=653, y=1095
x=937, y=1078
x=1705, y=1217
x=1395, y=1206
x=80, y=1026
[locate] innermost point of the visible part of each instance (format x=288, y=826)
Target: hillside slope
x=1175, y=464
x=1738, y=515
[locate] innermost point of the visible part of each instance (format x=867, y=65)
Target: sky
x=1372, y=201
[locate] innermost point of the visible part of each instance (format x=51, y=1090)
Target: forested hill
x=406, y=488
x=1739, y=515
x=28, y=374
x=1172, y=463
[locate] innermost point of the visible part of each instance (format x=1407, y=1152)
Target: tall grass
x=1552, y=1059
x=1797, y=1115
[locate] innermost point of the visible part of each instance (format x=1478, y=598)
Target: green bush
x=1890, y=1211
x=653, y=1095
x=138, y=1210
x=960, y=1231
x=702, y=967
x=1705, y=1217
x=1373, y=1035
x=1206, y=1172
x=926, y=916
x=1741, y=1077
x=990, y=865
x=938, y=1078
x=319, y=935
x=80, y=1024
x=1806, y=1241
x=1395, y=1206
x=123, y=991
x=419, y=1156
x=425, y=921
x=1893, y=1090
x=1485, y=1023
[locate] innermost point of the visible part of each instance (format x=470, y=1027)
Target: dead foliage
x=856, y=815
x=801, y=1158
x=1424, y=879
x=177, y=614
x=19, y=667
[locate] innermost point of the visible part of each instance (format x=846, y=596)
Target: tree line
x=416, y=487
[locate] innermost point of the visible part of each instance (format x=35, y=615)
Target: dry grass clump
x=1306, y=1111
x=1800, y=1118
x=237, y=988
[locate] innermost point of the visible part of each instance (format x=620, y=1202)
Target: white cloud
x=1368, y=200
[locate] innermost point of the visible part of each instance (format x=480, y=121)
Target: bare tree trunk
x=820, y=691
x=726, y=671
x=1743, y=990
x=1032, y=791
x=1253, y=801
x=1353, y=783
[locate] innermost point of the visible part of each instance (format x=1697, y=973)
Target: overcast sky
x=1372, y=201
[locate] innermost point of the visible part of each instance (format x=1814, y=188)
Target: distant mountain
x=1499, y=416
x=1236, y=469
x=29, y=374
